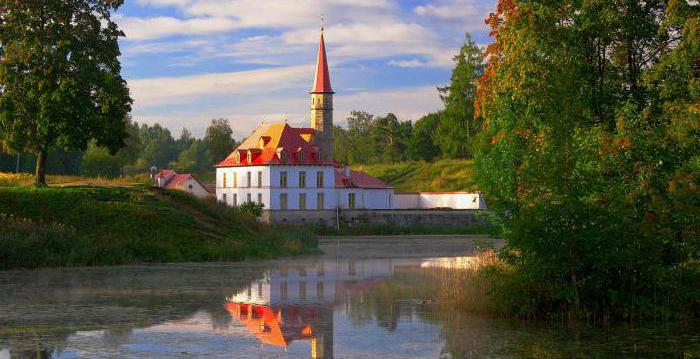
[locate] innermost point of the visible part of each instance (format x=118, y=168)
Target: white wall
x=271, y=189
x=427, y=200
x=197, y=189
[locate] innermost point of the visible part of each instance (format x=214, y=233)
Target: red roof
x=277, y=143
x=358, y=179
x=322, y=82
x=173, y=180
x=177, y=181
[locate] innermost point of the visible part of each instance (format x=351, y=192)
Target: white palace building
x=292, y=173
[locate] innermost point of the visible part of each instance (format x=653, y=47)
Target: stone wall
x=403, y=217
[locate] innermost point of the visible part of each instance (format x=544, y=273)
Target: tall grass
x=443, y=175
x=466, y=283
x=26, y=179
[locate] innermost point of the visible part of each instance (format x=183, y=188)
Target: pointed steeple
x=322, y=81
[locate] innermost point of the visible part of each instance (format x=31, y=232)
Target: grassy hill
x=443, y=175
x=119, y=223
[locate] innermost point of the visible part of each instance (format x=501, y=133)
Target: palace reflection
x=296, y=302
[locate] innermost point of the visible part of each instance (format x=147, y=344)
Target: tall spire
x=322, y=81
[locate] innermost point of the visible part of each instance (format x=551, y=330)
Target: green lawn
x=442, y=175
x=96, y=225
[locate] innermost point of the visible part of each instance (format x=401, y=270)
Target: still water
x=364, y=299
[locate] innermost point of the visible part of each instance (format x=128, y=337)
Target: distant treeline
x=448, y=133
x=146, y=146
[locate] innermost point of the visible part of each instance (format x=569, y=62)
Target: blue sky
x=252, y=61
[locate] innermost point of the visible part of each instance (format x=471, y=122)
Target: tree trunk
x=40, y=175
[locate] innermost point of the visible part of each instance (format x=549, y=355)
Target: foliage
x=457, y=125
x=589, y=155
x=195, y=158
x=219, y=139
x=422, y=146
x=251, y=208
x=442, y=175
x=60, y=77
x=97, y=162
x=88, y=225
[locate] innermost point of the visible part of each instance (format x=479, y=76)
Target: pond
x=366, y=298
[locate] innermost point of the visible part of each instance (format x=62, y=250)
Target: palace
x=291, y=171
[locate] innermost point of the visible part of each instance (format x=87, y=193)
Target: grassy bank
x=91, y=225
x=443, y=175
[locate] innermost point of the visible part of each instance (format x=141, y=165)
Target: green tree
x=587, y=165
x=219, y=139
x=422, y=146
x=98, y=162
x=60, y=77
x=159, y=147
x=196, y=158
x=457, y=125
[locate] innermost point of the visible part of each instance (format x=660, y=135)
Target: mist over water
x=347, y=304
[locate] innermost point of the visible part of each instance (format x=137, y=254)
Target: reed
x=466, y=283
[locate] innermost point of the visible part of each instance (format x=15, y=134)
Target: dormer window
x=250, y=156
x=300, y=155
x=281, y=155
x=237, y=157
x=263, y=141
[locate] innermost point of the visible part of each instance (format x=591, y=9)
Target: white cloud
x=469, y=15
x=137, y=28
x=407, y=63
x=178, y=90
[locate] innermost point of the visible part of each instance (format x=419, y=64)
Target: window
x=249, y=158
x=259, y=179
x=283, y=201
x=223, y=198
x=237, y=157
x=302, y=200
x=302, y=179
x=300, y=155
x=235, y=199
x=248, y=198
x=319, y=200
x=302, y=290
x=189, y=186
x=319, y=179
x=259, y=198
x=283, y=179
x=224, y=180
x=320, y=269
x=235, y=179
x=283, y=290
x=319, y=289
x=248, y=178
x=282, y=156
x=351, y=200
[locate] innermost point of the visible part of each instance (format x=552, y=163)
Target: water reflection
x=318, y=308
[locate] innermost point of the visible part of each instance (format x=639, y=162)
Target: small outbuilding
x=186, y=182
